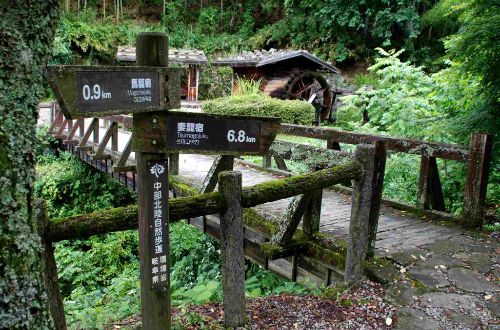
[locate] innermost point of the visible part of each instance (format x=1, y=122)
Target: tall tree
x=26, y=34
x=476, y=50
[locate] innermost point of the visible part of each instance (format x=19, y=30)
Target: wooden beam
x=125, y=218
x=111, y=134
x=122, y=161
x=94, y=125
x=290, y=221
x=221, y=163
x=412, y=146
x=280, y=163
x=323, y=157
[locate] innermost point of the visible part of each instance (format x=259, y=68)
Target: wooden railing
x=429, y=194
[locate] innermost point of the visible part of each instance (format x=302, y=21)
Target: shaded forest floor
x=361, y=307
x=449, y=284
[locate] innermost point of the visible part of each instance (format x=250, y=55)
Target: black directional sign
x=92, y=91
x=98, y=91
x=191, y=133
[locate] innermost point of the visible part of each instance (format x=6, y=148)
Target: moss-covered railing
x=286, y=238
x=124, y=218
x=430, y=193
x=429, y=198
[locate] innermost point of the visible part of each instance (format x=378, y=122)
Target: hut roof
x=259, y=58
x=180, y=56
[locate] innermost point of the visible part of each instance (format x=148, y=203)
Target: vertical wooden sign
x=158, y=222
x=152, y=172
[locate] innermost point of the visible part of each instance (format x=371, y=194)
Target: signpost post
x=148, y=91
x=152, y=172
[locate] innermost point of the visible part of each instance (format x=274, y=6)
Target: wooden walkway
x=397, y=230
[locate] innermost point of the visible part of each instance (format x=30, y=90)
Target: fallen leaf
x=487, y=297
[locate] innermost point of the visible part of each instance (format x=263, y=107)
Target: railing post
x=81, y=124
x=96, y=131
x=366, y=197
x=430, y=192
x=480, y=150
x=232, y=251
x=312, y=215
x=173, y=160
x=266, y=161
x=50, y=279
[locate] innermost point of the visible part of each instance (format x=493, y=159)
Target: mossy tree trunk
x=26, y=35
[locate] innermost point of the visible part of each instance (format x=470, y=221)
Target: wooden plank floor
x=396, y=230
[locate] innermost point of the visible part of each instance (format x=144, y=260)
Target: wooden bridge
x=105, y=144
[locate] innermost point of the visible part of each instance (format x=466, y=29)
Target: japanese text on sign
x=158, y=233
x=108, y=90
x=213, y=134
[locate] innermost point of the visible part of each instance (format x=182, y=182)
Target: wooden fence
x=429, y=195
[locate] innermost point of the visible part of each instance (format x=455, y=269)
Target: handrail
x=429, y=196
x=406, y=145
x=125, y=218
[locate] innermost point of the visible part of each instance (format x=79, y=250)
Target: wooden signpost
x=149, y=91
x=92, y=91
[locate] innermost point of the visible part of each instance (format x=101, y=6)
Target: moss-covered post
x=26, y=37
x=173, y=163
x=266, y=161
x=312, y=215
x=152, y=50
x=480, y=149
x=50, y=278
x=366, y=197
x=232, y=250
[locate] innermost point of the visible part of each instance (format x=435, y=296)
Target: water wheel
x=312, y=87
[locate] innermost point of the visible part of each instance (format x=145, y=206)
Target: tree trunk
x=26, y=36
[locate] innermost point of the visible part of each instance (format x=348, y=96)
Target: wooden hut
x=193, y=58
x=287, y=74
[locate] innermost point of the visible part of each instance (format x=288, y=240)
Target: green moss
x=182, y=189
x=269, y=249
x=26, y=36
x=380, y=269
x=252, y=219
x=335, y=292
x=420, y=287
x=346, y=302
x=333, y=243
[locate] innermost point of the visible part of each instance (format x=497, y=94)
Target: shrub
x=293, y=112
